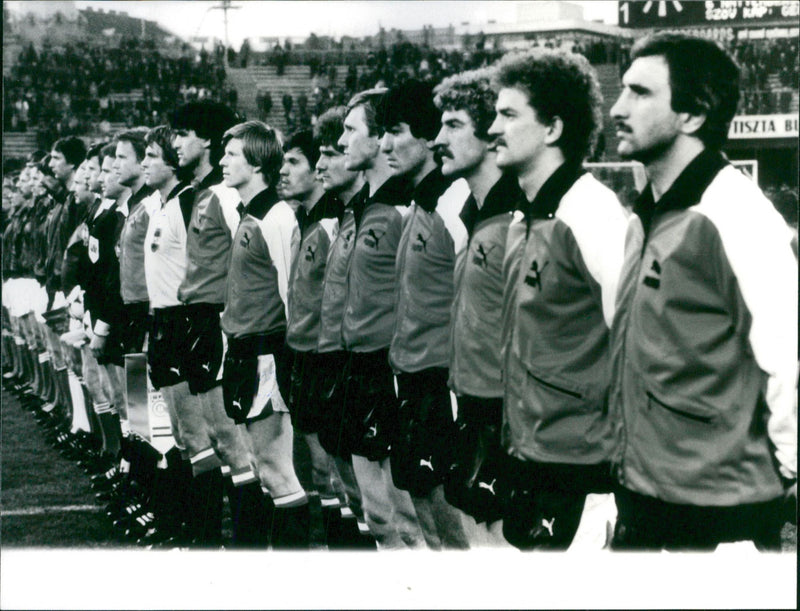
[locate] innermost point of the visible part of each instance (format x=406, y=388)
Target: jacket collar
x=261, y=203
x=137, y=197
x=176, y=189
x=214, y=177
x=546, y=202
x=504, y=196
x=358, y=202
x=685, y=192
x=396, y=191
x=430, y=189
x=329, y=206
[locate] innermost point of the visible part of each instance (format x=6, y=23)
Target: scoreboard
x=672, y=13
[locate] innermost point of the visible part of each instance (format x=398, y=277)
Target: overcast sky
x=300, y=18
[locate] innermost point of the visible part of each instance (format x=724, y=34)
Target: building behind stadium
x=290, y=81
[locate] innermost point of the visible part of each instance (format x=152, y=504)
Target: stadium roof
x=559, y=25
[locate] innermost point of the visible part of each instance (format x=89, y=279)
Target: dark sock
x=290, y=527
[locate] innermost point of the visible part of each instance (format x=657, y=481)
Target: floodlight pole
x=225, y=6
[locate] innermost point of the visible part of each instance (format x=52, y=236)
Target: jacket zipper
x=703, y=419
x=571, y=393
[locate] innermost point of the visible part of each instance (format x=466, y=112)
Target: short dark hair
x=209, y=120
x=329, y=127
x=36, y=156
x=108, y=150
x=370, y=100
x=73, y=149
x=304, y=140
x=703, y=79
x=136, y=139
x=261, y=147
x=95, y=151
x=44, y=166
x=471, y=92
x=412, y=103
x=163, y=136
x=558, y=84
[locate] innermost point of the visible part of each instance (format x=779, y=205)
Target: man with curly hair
x=463, y=147
x=562, y=262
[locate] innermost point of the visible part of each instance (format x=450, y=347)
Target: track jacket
x=103, y=297
x=43, y=204
x=308, y=272
x=705, y=342
x=476, y=324
x=208, y=241
x=61, y=223
x=165, y=247
x=130, y=249
x=433, y=237
x=563, y=259
x=264, y=247
x=371, y=290
x=334, y=286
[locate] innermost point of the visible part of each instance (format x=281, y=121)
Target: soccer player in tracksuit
x=369, y=403
x=464, y=148
x=65, y=157
x=318, y=217
x=258, y=363
x=332, y=476
x=704, y=342
x=433, y=236
x=199, y=127
x=23, y=292
x=562, y=263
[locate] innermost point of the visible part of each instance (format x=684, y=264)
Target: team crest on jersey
x=311, y=254
x=481, y=256
x=245, y=241
x=373, y=238
x=421, y=243
x=93, y=249
x=534, y=277
x=654, y=280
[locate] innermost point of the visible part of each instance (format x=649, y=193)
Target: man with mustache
x=561, y=267
x=433, y=237
x=65, y=157
x=466, y=151
x=705, y=337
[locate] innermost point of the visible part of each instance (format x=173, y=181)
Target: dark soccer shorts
x=476, y=481
x=545, y=501
x=330, y=378
x=256, y=366
x=647, y=523
x=304, y=397
x=165, y=348
x=127, y=336
x=369, y=406
x=186, y=344
x=423, y=450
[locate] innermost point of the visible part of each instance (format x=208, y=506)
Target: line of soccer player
x=474, y=342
